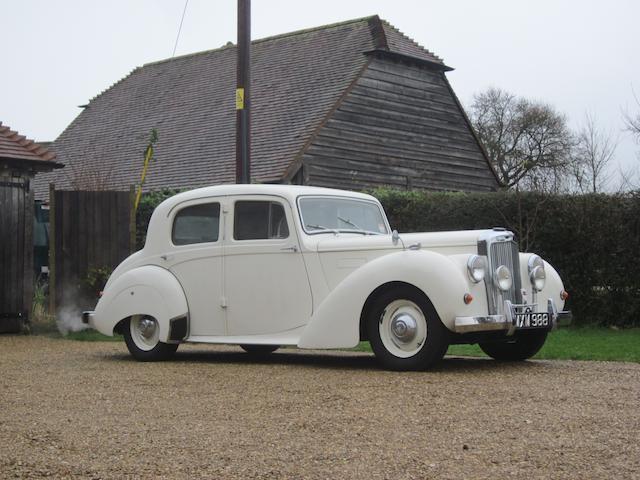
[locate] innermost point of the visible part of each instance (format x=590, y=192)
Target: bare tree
x=633, y=125
x=529, y=143
x=629, y=178
x=594, y=154
x=95, y=177
x=633, y=121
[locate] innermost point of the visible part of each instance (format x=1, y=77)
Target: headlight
x=535, y=261
x=477, y=268
x=537, y=275
x=503, y=278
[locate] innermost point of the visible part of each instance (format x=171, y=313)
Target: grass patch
x=92, y=336
x=578, y=343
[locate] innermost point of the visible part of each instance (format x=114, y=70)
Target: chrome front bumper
x=507, y=322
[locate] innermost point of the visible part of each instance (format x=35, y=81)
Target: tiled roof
x=14, y=146
x=398, y=42
x=296, y=79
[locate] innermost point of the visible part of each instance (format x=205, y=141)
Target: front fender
x=148, y=290
x=336, y=322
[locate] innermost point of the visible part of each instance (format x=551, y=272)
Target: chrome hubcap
x=145, y=332
x=147, y=328
x=404, y=327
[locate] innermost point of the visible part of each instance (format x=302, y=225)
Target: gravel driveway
x=76, y=409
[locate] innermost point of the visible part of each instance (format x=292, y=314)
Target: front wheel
x=405, y=331
x=141, y=334
x=523, y=346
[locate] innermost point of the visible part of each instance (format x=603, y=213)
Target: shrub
x=148, y=202
x=94, y=281
x=592, y=240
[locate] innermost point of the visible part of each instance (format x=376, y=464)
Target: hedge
x=592, y=240
x=148, y=202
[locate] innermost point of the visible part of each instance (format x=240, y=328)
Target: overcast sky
x=578, y=56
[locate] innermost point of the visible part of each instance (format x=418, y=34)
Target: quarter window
x=257, y=220
x=196, y=224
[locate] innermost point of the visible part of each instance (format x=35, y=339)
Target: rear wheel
x=259, y=349
x=141, y=334
x=405, y=331
x=524, y=345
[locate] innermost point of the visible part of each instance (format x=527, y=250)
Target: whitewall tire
x=142, y=334
x=405, y=331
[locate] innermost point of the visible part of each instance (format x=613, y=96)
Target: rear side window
x=196, y=224
x=256, y=220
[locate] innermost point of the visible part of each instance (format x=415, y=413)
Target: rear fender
x=148, y=290
x=336, y=322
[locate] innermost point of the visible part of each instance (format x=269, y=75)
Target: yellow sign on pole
x=239, y=98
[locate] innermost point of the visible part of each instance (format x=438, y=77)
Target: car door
x=266, y=284
x=196, y=261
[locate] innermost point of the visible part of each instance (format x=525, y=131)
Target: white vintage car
x=263, y=266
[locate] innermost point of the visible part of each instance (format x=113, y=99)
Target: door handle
x=294, y=249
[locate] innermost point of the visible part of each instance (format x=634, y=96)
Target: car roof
x=290, y=192
x=157, y=225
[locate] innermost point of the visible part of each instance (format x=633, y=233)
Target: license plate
x=532, y=320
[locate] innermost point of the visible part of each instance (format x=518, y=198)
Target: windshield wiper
x=359, y=228
x=363, y=232
x=349, y=222
x=321, y=227
x=335, y=231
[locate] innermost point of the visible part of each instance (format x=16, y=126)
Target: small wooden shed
x=20, y=160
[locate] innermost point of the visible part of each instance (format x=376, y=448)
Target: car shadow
x=334, y=360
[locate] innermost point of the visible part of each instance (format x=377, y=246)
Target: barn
x=20, y=160
x=353, y=105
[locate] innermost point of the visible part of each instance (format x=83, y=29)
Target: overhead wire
x=184, y=11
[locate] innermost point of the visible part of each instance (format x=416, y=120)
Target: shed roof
x=14, y=146
x=296, y=79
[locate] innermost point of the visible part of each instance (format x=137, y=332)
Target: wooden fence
x=90, y=234
x=16, y=252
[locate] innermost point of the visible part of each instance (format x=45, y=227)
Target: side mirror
x=395, y=237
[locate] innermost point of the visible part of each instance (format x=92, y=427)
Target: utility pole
x=243, y=89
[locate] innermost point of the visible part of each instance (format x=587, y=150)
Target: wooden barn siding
x=16, y=250
x=399, y=126
x=91, y=230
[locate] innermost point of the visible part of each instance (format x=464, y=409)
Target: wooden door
x=16, y=252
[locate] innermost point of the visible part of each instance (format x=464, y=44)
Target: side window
x=256, y=220
x=196, y=224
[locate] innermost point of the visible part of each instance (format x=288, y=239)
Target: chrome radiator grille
x=504, y=252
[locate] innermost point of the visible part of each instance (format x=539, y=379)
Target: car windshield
x=332, y=214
